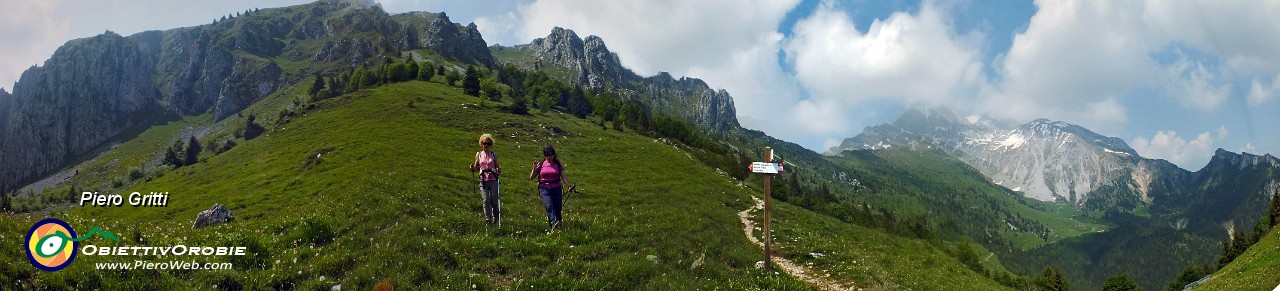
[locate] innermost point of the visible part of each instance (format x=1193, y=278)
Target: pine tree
x=357, y=79
x=1053, y=279
x=471, y=82
x=251, y=128
x=1274, y=212
x=578, y=103
x=1228, y=249
x=316, y=85
x=173, y=155
x=193, y=151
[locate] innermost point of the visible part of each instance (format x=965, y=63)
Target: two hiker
x=549, y=173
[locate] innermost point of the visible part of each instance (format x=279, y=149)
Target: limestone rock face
x=94, y=88
x=90, y=90
x=463, y=43
x=592, y=65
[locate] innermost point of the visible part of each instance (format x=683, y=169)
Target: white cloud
x=915, y=58
x=494, y=28
x=1249, y=148
x=1259, y=93
x=1169, y=146
x=665, y=35
x=30, y=37
x=1077, y=51
x=1195, y=84
x=727, y=43
x=1242, y=32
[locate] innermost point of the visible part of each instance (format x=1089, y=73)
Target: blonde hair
x=484, y=138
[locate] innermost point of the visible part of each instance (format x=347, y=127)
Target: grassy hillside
x=389, y=197
x=372, y=185
x=927, y=184
x=1256, y=269
x=871, y=258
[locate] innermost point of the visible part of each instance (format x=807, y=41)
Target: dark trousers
x=491, y=200
x=552, y=199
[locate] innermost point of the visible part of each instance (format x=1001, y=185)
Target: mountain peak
x=1241, y=160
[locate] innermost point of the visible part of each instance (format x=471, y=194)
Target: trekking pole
x=497, y=190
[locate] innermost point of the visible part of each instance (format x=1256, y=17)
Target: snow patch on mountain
x=1045, y=160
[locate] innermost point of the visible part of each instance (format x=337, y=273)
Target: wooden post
x=768, y=158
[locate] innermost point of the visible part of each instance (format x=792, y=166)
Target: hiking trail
x=821, y=281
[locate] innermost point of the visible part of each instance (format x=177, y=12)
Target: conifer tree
x=471, y=82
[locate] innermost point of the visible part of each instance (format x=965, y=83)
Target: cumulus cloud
x=1259, y=93
x=1196, y=85
x=1169, y=146
x=916, y=58
x=30, y=37
x=1241, y=32
x=494, y=28
x=1078, y=61
x=1074, y=52
x=664, y=35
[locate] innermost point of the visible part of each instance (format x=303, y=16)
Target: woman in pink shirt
x=487, y=163
x=550, y=175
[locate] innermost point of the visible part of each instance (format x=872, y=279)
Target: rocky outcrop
x=463, y=43
x=216, y=215
x=593, y=66
x=95, y=88
x=90, y=90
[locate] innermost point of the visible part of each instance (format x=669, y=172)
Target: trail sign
x=766, y=168
x=769, y=169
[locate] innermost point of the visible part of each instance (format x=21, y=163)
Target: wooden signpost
x=768, y=168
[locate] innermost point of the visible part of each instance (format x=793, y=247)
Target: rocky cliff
x=589, y=62
x=94, y=88
x=463, y=43
x=1045, y=160
x=90, y=90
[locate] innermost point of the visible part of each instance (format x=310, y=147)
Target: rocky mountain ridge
x=1048, y=160
x=94, y=88
x=588, y=62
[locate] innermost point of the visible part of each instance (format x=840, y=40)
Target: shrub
x=251, y=128
x=135, y=173
x=451, y=77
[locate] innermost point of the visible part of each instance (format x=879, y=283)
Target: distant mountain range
x=1054, y=160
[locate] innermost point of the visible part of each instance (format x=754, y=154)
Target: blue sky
x=1175, y=79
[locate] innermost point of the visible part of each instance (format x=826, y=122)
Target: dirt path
x=793, y=269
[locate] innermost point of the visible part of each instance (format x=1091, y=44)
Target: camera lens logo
x=50, y=244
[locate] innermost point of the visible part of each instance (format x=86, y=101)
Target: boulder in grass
x=217, y=215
